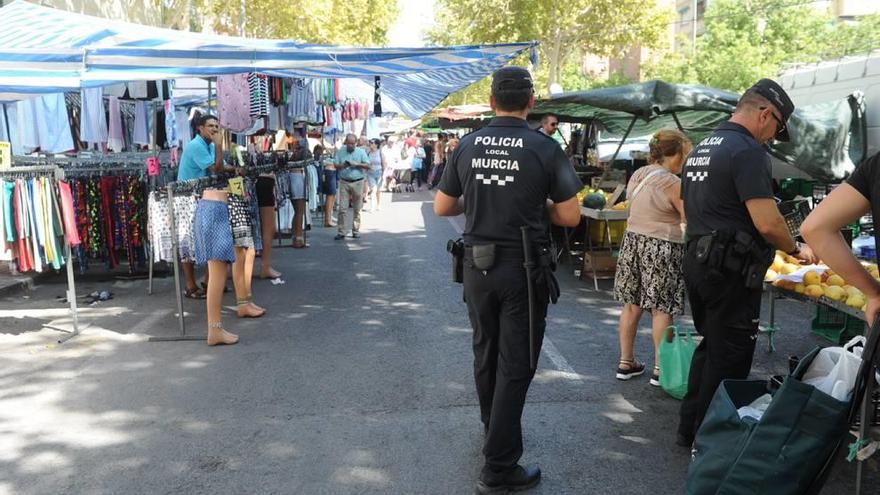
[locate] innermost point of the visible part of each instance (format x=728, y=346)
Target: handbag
x=675, y=354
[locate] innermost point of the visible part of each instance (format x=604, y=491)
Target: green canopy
x=827, y=140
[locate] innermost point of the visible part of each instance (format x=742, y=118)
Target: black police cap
x=779, y=98
x=511, y=78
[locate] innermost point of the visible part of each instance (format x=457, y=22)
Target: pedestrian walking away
x=507, y=179
x=732, y=226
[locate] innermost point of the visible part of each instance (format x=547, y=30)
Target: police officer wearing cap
x=510, y=182
x=733, y=225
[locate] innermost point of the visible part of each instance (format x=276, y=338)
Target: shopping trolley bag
x=785, y=449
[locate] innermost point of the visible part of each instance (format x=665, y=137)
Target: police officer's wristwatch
x=796, y=250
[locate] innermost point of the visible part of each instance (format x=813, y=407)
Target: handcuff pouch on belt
x=456, y=249
x=483, y=256
x=736, y=252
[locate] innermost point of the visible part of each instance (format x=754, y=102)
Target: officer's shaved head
x=751, y=100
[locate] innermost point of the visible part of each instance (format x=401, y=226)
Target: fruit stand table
x=775, y=293
x=602, y=215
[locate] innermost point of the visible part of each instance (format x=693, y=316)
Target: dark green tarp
x=827, y=139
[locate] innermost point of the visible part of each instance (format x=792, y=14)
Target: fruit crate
x=836, y=326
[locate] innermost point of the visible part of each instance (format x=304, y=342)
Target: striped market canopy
x=46, y=50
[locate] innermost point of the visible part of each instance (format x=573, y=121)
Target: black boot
x=518, y=479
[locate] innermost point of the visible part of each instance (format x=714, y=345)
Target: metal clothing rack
x=57, y=174
x=189, y=186
x=196, y=186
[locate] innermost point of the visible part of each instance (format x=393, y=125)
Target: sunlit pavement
x=358, y=380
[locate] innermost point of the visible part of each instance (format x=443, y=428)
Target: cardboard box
x=602, y=262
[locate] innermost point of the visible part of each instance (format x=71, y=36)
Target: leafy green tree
x=337, y=22
x=566, y=30
x=746, y=40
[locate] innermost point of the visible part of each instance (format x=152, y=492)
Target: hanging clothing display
x=234, y=102
x=32, y=223
x=183, y=127
x=116, y=139
x=171, y=139
x=258, y=85
x=111, y=218
x=141, y=124
x=159, y=227
x=93, y=118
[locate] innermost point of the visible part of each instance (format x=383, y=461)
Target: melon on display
x=595, y=201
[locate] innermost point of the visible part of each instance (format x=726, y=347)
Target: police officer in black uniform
x=732, y=226
x=505, y=177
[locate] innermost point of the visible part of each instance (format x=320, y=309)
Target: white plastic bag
x=834, y=369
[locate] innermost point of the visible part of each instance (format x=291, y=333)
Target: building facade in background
x=172, y=14
x=688, y=24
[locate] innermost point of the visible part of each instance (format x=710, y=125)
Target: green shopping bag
x=676, y=351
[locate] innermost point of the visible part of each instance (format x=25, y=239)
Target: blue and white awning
x=46, y=50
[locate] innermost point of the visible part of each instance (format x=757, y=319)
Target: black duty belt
x=501, y=252
x=352, y=180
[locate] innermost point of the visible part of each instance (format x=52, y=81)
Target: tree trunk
x=555, y=66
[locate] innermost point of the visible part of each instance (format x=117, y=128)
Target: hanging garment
x=25, y=263
x=26, y=117
x=137, y=89
x=259, y=95
x=5, y=247
x=53, y=124
x=184, y=130
x=115, y=139
x=68, y=213
x=171, y=139
x=184, y=221
x=93, y=120
x=234, y=100
x=141, y=124
x=159, y=228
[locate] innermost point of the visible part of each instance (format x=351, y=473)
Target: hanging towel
x=93, y=121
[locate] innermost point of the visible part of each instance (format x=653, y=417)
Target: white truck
x=835, y=80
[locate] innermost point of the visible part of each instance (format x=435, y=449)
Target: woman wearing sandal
x=649, y=272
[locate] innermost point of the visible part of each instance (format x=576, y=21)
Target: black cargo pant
x=498, y=308
x=726, y=314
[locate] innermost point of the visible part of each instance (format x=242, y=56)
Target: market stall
x=826, y=140
x=117, y=79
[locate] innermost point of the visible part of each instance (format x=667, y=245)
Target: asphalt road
x=357, y=381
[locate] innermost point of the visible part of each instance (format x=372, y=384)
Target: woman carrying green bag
x=649, y=274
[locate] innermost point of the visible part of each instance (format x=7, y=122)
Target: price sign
x=5, y=155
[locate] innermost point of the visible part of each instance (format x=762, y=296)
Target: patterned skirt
x=213, y=237
x=649, y=274
x=240, y=221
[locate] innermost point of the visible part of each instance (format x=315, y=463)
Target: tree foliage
x=747, y=40
x=566, y=30
x=336, y=22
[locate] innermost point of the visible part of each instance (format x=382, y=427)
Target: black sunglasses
x=778, y=121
